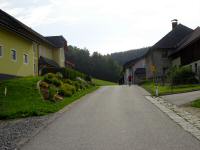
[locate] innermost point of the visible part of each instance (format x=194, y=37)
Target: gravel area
x=15, y=132
x=194, y=111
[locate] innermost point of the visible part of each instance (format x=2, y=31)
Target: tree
x=96, y=65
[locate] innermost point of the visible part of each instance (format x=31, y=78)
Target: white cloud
x=106, y=25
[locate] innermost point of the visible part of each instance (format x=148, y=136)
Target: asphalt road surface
x=114, y=118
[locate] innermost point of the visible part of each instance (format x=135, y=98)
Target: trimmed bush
x=66, y=72
x=52, y=79
x=67, y=90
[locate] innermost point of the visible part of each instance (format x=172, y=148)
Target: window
x=1, y=51
x=25, y=59
x=13, y=55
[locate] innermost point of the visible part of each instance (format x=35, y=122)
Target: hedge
x=66, y=72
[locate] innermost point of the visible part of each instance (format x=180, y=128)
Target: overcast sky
x=105, y=26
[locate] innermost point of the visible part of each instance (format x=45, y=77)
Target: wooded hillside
x=105, y=67
x=97, y=65
x=123, y=57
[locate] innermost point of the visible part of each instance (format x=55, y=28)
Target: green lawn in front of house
x=23, y=99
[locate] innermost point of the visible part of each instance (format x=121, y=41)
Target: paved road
x=182, y=98
x=114, y=118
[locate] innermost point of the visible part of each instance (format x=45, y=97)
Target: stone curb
x=187, y=121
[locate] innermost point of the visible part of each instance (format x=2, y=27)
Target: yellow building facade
x=22, y=64
x=21, y=49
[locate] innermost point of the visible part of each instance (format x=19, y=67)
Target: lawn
x=23, y=99
x=102, y=82
x=167, y=89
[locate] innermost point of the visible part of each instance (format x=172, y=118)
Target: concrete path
x=114, y=118
x=182, y=98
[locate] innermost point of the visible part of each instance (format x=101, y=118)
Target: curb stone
x=187, y=121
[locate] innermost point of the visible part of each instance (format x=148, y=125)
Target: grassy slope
x=24, y=100
x=103, y=82
x=164, y=90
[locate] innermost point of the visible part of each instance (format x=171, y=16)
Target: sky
x=105, y=26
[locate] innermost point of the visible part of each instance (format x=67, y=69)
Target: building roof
x=58, y=41
x=12, y=24
x=173, y=37
x=191, y=38
x=140, y=54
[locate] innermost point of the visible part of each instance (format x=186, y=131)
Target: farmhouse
x=136, y=68
x=157, y=60
x=188, y=52
x=180, y=47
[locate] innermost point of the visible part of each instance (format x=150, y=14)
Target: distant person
x=129, y=80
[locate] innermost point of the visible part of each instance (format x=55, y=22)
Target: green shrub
x=52, y=79
x=67, y=90
x=64, y=92
x=66, y=72
x=59, y=75
x=88, y=78
x=87, y=85
x=68, y=81
x=77, y=85
x=49, y=77
x=182, y=75
x=52, y=92
x=56, y=82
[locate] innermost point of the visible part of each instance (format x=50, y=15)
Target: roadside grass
x=167, y=89
x=102, y=82
x=23, y=99
x=196, y=103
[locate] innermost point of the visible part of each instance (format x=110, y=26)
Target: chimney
x=174, y=23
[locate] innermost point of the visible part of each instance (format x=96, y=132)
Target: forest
x=105, y=67
x=96, y=65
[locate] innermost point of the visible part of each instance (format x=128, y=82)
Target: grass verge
x=23, y=99
x=196, y=103
x=103, y=82
x=167, y=89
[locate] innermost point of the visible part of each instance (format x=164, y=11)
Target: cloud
x=104, y=25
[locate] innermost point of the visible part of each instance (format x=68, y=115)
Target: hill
x=123, y=57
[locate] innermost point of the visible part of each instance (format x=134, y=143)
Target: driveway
x=182, y=98
x=114, y=118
